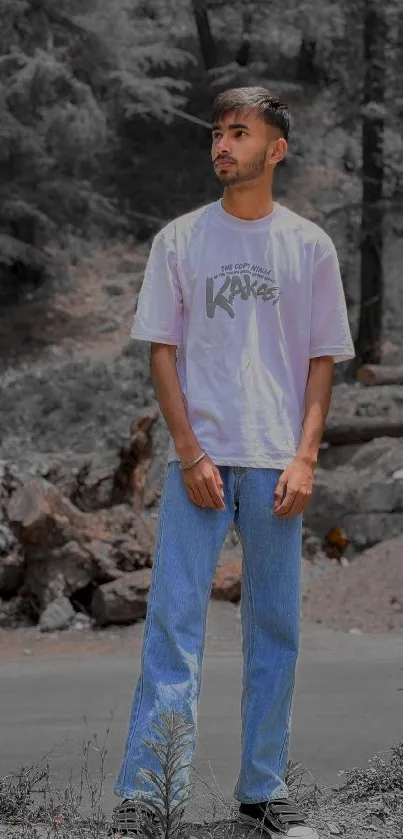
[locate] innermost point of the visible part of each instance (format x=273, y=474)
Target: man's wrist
x=310, y=458
x=188, y=450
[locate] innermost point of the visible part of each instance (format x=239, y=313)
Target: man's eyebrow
x=233, y=125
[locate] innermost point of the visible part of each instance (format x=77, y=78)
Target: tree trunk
x=368, y=345
x=243, y=54
x=307, y=68
x=206, y=40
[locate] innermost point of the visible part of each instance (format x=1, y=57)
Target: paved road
x=348, y=705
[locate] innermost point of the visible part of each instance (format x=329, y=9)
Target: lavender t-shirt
x=247, y=303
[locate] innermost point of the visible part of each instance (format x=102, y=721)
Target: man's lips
x=224, y=163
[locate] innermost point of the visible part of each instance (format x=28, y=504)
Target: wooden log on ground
x=361, y=430
x=379, y=374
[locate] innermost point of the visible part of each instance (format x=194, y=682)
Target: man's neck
x=248, y=203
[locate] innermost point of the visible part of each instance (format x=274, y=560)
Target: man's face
x=243, y=147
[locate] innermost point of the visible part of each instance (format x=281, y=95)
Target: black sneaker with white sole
x=277, y=818
x=130, y=816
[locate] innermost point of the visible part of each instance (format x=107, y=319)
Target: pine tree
x=65, y=71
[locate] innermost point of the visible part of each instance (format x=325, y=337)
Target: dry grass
x=368, y=804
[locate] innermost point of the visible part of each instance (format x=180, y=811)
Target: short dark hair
x=270, y=108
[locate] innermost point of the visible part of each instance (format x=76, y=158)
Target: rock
x=11, y=612
x=41, y=517
x=227, y=581
x=366, y=530
x=102, y=555
x=11, y=573
x=361, y=497
x=382, y=449
x=90, y=483
x=334, y=830
x=82, y=621
x=57, y=573
x=65, y=549
x=124, y=600
x=58, y=615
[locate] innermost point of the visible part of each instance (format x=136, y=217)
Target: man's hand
x=295, y=484
x=204, y=484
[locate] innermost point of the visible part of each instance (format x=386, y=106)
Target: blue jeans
x=188, y=544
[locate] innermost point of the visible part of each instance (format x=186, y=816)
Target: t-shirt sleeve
x=330, y=330
x=159, y=307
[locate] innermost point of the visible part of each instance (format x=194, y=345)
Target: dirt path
x=93, y=318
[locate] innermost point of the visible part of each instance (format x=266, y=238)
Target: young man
x=243, y=304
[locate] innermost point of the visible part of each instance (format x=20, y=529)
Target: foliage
x=169, y=750
x=381, y=776
x=95, y=98
x=66, y=74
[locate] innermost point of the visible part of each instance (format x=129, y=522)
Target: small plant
x=169, y=751
x=380, y=777
x=302, y=785
x=17, y=794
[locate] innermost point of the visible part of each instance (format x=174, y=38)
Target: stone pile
x=77, y=531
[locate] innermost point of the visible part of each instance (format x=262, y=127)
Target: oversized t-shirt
x=248, y=304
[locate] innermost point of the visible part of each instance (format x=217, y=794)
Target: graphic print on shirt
x=241, y=279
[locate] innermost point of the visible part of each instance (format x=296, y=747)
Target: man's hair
x=269, y=107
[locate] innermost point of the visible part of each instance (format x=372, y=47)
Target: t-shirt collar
x=246, y=224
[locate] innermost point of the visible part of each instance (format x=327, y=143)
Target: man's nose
x=222, y=145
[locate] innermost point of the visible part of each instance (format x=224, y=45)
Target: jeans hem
x=142, y=797
x=279, y=793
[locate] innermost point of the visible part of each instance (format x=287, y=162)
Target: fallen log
x=361, y=430
x=379, y=374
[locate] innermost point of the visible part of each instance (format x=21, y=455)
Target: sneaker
x=277, y=818
x=129, y=815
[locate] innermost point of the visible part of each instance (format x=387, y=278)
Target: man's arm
x=297, y=480
x=318, y=395
x=168, y=391
x=203, y=481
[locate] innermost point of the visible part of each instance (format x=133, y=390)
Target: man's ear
x=279, y=151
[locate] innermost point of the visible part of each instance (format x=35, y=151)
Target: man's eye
x=239, y=132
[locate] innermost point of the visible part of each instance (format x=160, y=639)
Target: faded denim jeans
x=188, y=544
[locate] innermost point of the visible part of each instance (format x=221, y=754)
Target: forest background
x=104, y=125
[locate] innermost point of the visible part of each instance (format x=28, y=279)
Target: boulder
x=124, y=600
x=57, y=573
x=363, y=496
x=65, y=549
x=58, y=615
x=227, y=581
x=42, y=518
